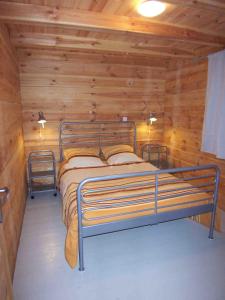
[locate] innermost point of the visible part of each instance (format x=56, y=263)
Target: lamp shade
x=41, y=119
x=152, y=118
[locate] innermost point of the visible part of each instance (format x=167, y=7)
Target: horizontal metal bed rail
x=130, y=203
x=94, y=134
x=138, y=222
x=175, y=195
x=123, y=187
x=137, y=211
x=151, y=194
x=155, y=172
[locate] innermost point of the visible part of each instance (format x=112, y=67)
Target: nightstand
x=156, y=154
x=41, y=172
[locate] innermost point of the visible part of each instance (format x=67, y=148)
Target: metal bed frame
x=96, y=134
x=156, y=214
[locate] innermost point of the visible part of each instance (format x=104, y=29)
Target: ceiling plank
x=26, y=40
x=37, y=14
x=213, y=6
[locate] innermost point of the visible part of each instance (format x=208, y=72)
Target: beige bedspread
x=70, y=179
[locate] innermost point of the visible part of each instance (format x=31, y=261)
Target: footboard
x=118, y=202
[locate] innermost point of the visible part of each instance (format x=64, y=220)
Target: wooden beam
x=36, y=14
x=26, y=40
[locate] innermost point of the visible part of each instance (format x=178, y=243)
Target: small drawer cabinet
x=156, y=154
x=41, y=172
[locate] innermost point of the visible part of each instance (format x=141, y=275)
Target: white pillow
x=122, y=158
x=84, y=162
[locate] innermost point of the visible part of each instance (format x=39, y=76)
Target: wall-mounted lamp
x=41, y=119
x=152, y=118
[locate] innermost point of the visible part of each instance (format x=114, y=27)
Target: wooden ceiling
x=185, y=30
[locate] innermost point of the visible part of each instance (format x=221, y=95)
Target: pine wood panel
x=5, y=278
x=184, y=113
x=87, y=87
x=12, y=161
x=69, y=42
x=38, y=15
x=185, y=29
x=76, y=56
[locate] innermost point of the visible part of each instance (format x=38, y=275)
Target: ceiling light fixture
x=151, y=8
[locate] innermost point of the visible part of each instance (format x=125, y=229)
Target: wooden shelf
x=43, y=188
x=40, y=174
x=41, y=159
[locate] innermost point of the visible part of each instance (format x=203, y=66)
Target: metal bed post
x=54, y=167
x=60, y=141
x=80, y=231
x=215, y=199
x=167, y=164
x=134, y=138
x=99, y=141
x=156, y=193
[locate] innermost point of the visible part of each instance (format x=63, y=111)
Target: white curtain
x=213, y=136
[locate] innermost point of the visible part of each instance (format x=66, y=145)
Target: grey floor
x=173, y=260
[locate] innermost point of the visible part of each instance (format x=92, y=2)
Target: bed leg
x=215, y=199
x=80, y=231
x=81, y=254
x=212, y=224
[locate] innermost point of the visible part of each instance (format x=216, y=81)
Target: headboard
x=98, y=133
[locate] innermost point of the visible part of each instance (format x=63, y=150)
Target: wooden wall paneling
x=5, y=277
x=69, y=42
x=92, y=69
x=12, y=160
x=86, y=86
x=183, y=117
x=97, y=57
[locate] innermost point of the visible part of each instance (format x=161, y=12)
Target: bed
x=109, y=197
